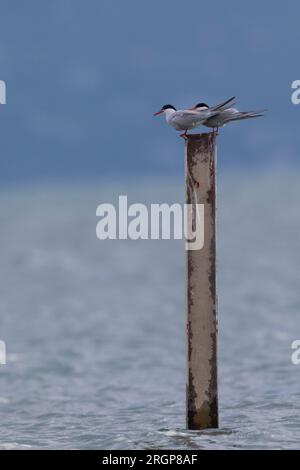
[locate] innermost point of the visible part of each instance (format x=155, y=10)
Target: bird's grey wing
x=221, y=117
x=183, y=118
x=239, y=115
x=229, y=113
x=232, y=114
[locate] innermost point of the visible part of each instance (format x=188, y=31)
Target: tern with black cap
x=187, y=119
x=225, y=115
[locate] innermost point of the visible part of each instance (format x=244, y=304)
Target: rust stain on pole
x=202, y=384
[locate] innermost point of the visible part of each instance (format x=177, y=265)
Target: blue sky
x=84, y=78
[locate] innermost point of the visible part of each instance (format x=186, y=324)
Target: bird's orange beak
x=158, y=112
x=192, y=109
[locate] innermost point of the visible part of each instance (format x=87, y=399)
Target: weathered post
x=202, y=384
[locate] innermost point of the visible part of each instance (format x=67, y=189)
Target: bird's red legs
x=184, y=135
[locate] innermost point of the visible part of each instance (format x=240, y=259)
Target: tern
x=226, y=115
x=186, y=119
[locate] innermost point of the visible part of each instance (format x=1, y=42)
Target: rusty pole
x=202, y=383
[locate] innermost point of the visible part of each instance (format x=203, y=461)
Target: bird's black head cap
x=168, y=106
x=201, y=105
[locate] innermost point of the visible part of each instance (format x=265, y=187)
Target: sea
x=95, y=329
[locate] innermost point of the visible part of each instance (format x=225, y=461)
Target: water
x=95, y=330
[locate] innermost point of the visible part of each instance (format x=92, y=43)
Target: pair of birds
x=201, y=114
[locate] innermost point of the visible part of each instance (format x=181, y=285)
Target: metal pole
x=202, y=382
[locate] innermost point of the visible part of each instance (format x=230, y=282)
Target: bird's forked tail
x=247, y=115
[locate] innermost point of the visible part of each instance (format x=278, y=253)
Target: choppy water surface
x=95, y=330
